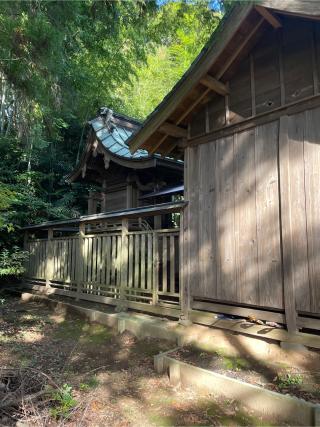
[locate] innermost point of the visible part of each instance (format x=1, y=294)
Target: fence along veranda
x=141, y=266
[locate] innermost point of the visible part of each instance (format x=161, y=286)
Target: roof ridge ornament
x=107, y=117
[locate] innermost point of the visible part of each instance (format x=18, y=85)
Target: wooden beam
x=238, y=14
x=173, y=130
x=214, y=85
x=225, y=67
x=268, y=16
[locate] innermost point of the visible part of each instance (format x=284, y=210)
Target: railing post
x=121, y=306
x=183, y=279
x=79, y=271
x=49, y=265
x=155, y=288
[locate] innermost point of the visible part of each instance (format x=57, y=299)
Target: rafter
x=214, y=85
x=223, y=69
x=268, y=16
x=173, y=130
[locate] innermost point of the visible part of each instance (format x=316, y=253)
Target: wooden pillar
x=155, y=281
x=183, y=279
x=286, y=227
x=49, y=263
x=123, y=265
x=80, y=259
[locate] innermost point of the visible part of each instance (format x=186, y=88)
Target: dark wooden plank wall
x=282, y=68
x=237, y=249
x=237, y=232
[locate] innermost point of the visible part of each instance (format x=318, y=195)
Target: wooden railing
x=129, y=268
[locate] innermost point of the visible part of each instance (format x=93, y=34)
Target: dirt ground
x=95, y=377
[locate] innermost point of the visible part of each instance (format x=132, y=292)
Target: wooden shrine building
x=245, y=119
x=251, y=106
x=124, y=180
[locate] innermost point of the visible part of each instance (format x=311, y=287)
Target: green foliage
x=180, y=30
x=63, y=401
x=287, y=380
x=61, y=61
x=92, y=382
x=12, y=261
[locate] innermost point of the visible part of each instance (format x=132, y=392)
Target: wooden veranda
x=114, y=258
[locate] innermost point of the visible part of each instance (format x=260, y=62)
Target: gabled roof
x=108, y=136
x=237, y=33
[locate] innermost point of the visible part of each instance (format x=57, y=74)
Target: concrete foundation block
x=121, y=325
x=174, y=374
x=284, y=407
x=317, y=416
x=292, y=346
x=158, y=363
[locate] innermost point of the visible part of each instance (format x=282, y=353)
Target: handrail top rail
x=143, y=211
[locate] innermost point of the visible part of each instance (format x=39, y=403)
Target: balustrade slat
x=172, y=263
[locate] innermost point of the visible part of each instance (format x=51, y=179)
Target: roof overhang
x=236, y=34
x=94, y=147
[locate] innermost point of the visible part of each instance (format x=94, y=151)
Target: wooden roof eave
x=192, y=77
x=208, y=57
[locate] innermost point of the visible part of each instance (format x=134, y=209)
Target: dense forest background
x=59, y=62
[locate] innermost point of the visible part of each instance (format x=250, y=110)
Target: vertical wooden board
x=312, y=182
x=94, y=259
x=246, y=219
x=287, y=224
x=268, y=218
x=99, y=261
x=297, y=58
x=103, y=259
x=124, y=257
x=136, y=260
x=172, y=264
x=149, y=261
x=58, y=259
x=198, y=124
x=193, y=217
x=316, y=32
x=118, y=264
x=240, y=93
x=54, y=259
x=226, y=228
x=164, y=264
x=108, y=260
x=297, y=209
x=87, y=261
x=266, y=73
x=130, y=260
x=113, y=260
x=207, y=241
x=143, y=261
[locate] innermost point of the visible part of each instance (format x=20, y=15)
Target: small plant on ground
x=235, y=363
x=287, y=380
x=64, y=402
x=92, y=382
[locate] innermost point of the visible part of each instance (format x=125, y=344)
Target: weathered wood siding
x=251, y=217
x=282, y=68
